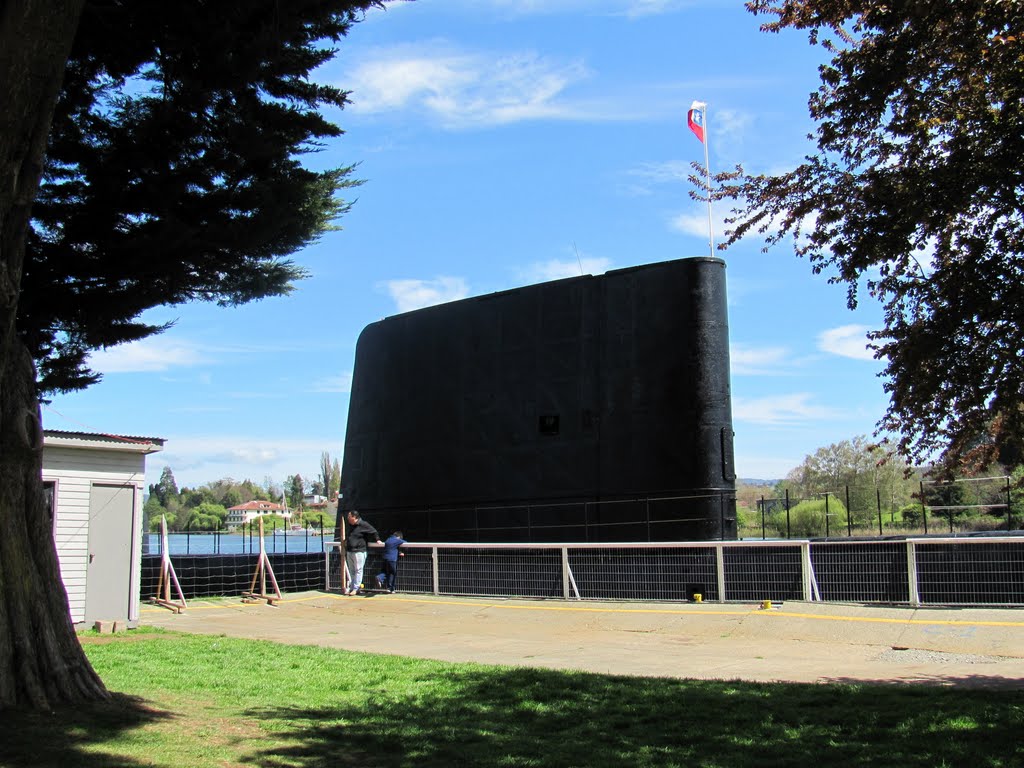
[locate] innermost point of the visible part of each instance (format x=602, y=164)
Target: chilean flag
x=695, y=119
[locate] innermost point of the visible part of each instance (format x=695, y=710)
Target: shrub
x=807, y=518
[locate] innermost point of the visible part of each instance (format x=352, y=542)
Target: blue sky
x=503, y=143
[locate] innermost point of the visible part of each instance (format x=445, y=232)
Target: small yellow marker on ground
x=766, y=605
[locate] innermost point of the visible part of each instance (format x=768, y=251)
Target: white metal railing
x=913, y=571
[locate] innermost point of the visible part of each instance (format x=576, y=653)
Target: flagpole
x=697, y=119
x=707, y=170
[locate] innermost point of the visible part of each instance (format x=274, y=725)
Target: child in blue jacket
x=386, y=579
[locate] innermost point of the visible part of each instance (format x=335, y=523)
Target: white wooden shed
x=95, y=485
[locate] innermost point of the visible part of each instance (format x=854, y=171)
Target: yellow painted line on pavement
x=581, y=608
x=702, y=611
x=189, y=607
x=883, y=620
x=689, y=611
x=209, y=606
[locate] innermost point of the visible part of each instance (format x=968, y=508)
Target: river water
x=235, y=543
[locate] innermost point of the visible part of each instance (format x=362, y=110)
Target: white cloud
x=200, y=409
x=781, y=410
x=846, y=341
x=695, y=223
x=156, y=353
x=758, y=361
x=254, y=395
x=765, y=467
x=388, y=84
x=340, y=384
x=542, y=272
x=730, y=126
x=416, y=294
x=639, y=8
x=643, y=179
x=200, y=459
x=628, y=8
x=467, y=89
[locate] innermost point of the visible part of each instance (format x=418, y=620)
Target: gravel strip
x=920, y=656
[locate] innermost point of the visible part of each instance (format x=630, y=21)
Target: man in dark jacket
x=360, y=535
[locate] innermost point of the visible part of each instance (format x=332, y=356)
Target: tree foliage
x=166, y=488
x=808, y=519
x=329, y=479
x=294, y=491
x=915, y=195
x=173, y=169
x=857, y=470
x=205, y=507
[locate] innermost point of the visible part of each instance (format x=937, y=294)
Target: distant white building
x=244, y=513
x=93, y=485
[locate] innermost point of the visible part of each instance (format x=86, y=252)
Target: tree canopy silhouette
x=915, y=196
x=173, y=169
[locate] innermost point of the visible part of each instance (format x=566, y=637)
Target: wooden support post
x=263, y=569
x=167, y=576
x=344, y=553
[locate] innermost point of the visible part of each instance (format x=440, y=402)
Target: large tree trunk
x=41, y=661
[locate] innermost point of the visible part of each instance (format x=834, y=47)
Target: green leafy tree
x=166, y=489
x=218, y=488
x=149, y=156
x=911, y=515
x=807, y=518
x=177, y=515
x=270, y=490
x=250, y=491
x=153, y=512
x=193, y=497
x=208, y=516
x=294, y=490
x=270, y=522
x=914, y=195
x=863, y=468
x=232, y=497
x=1017, y=497
x=947, y=500
x=330, y=475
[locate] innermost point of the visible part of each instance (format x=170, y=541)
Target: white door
x=108, y=585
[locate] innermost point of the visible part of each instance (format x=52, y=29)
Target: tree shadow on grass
x=529, y=717
x=60, y=738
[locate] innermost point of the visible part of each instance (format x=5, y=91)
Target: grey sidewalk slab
x=795, y=642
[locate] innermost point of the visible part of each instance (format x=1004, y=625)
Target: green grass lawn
x=197, y=701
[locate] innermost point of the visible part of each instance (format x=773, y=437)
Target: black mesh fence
x=939, y=571
x=211, y=575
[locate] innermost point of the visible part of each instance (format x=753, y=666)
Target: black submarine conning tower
x=584, y=409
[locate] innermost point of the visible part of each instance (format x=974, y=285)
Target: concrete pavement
x=794, y=642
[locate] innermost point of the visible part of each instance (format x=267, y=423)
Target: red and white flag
x=695, y=119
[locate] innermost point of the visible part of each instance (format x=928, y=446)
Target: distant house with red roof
x=244, y=513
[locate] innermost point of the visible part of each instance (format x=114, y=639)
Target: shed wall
x=75, y=470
